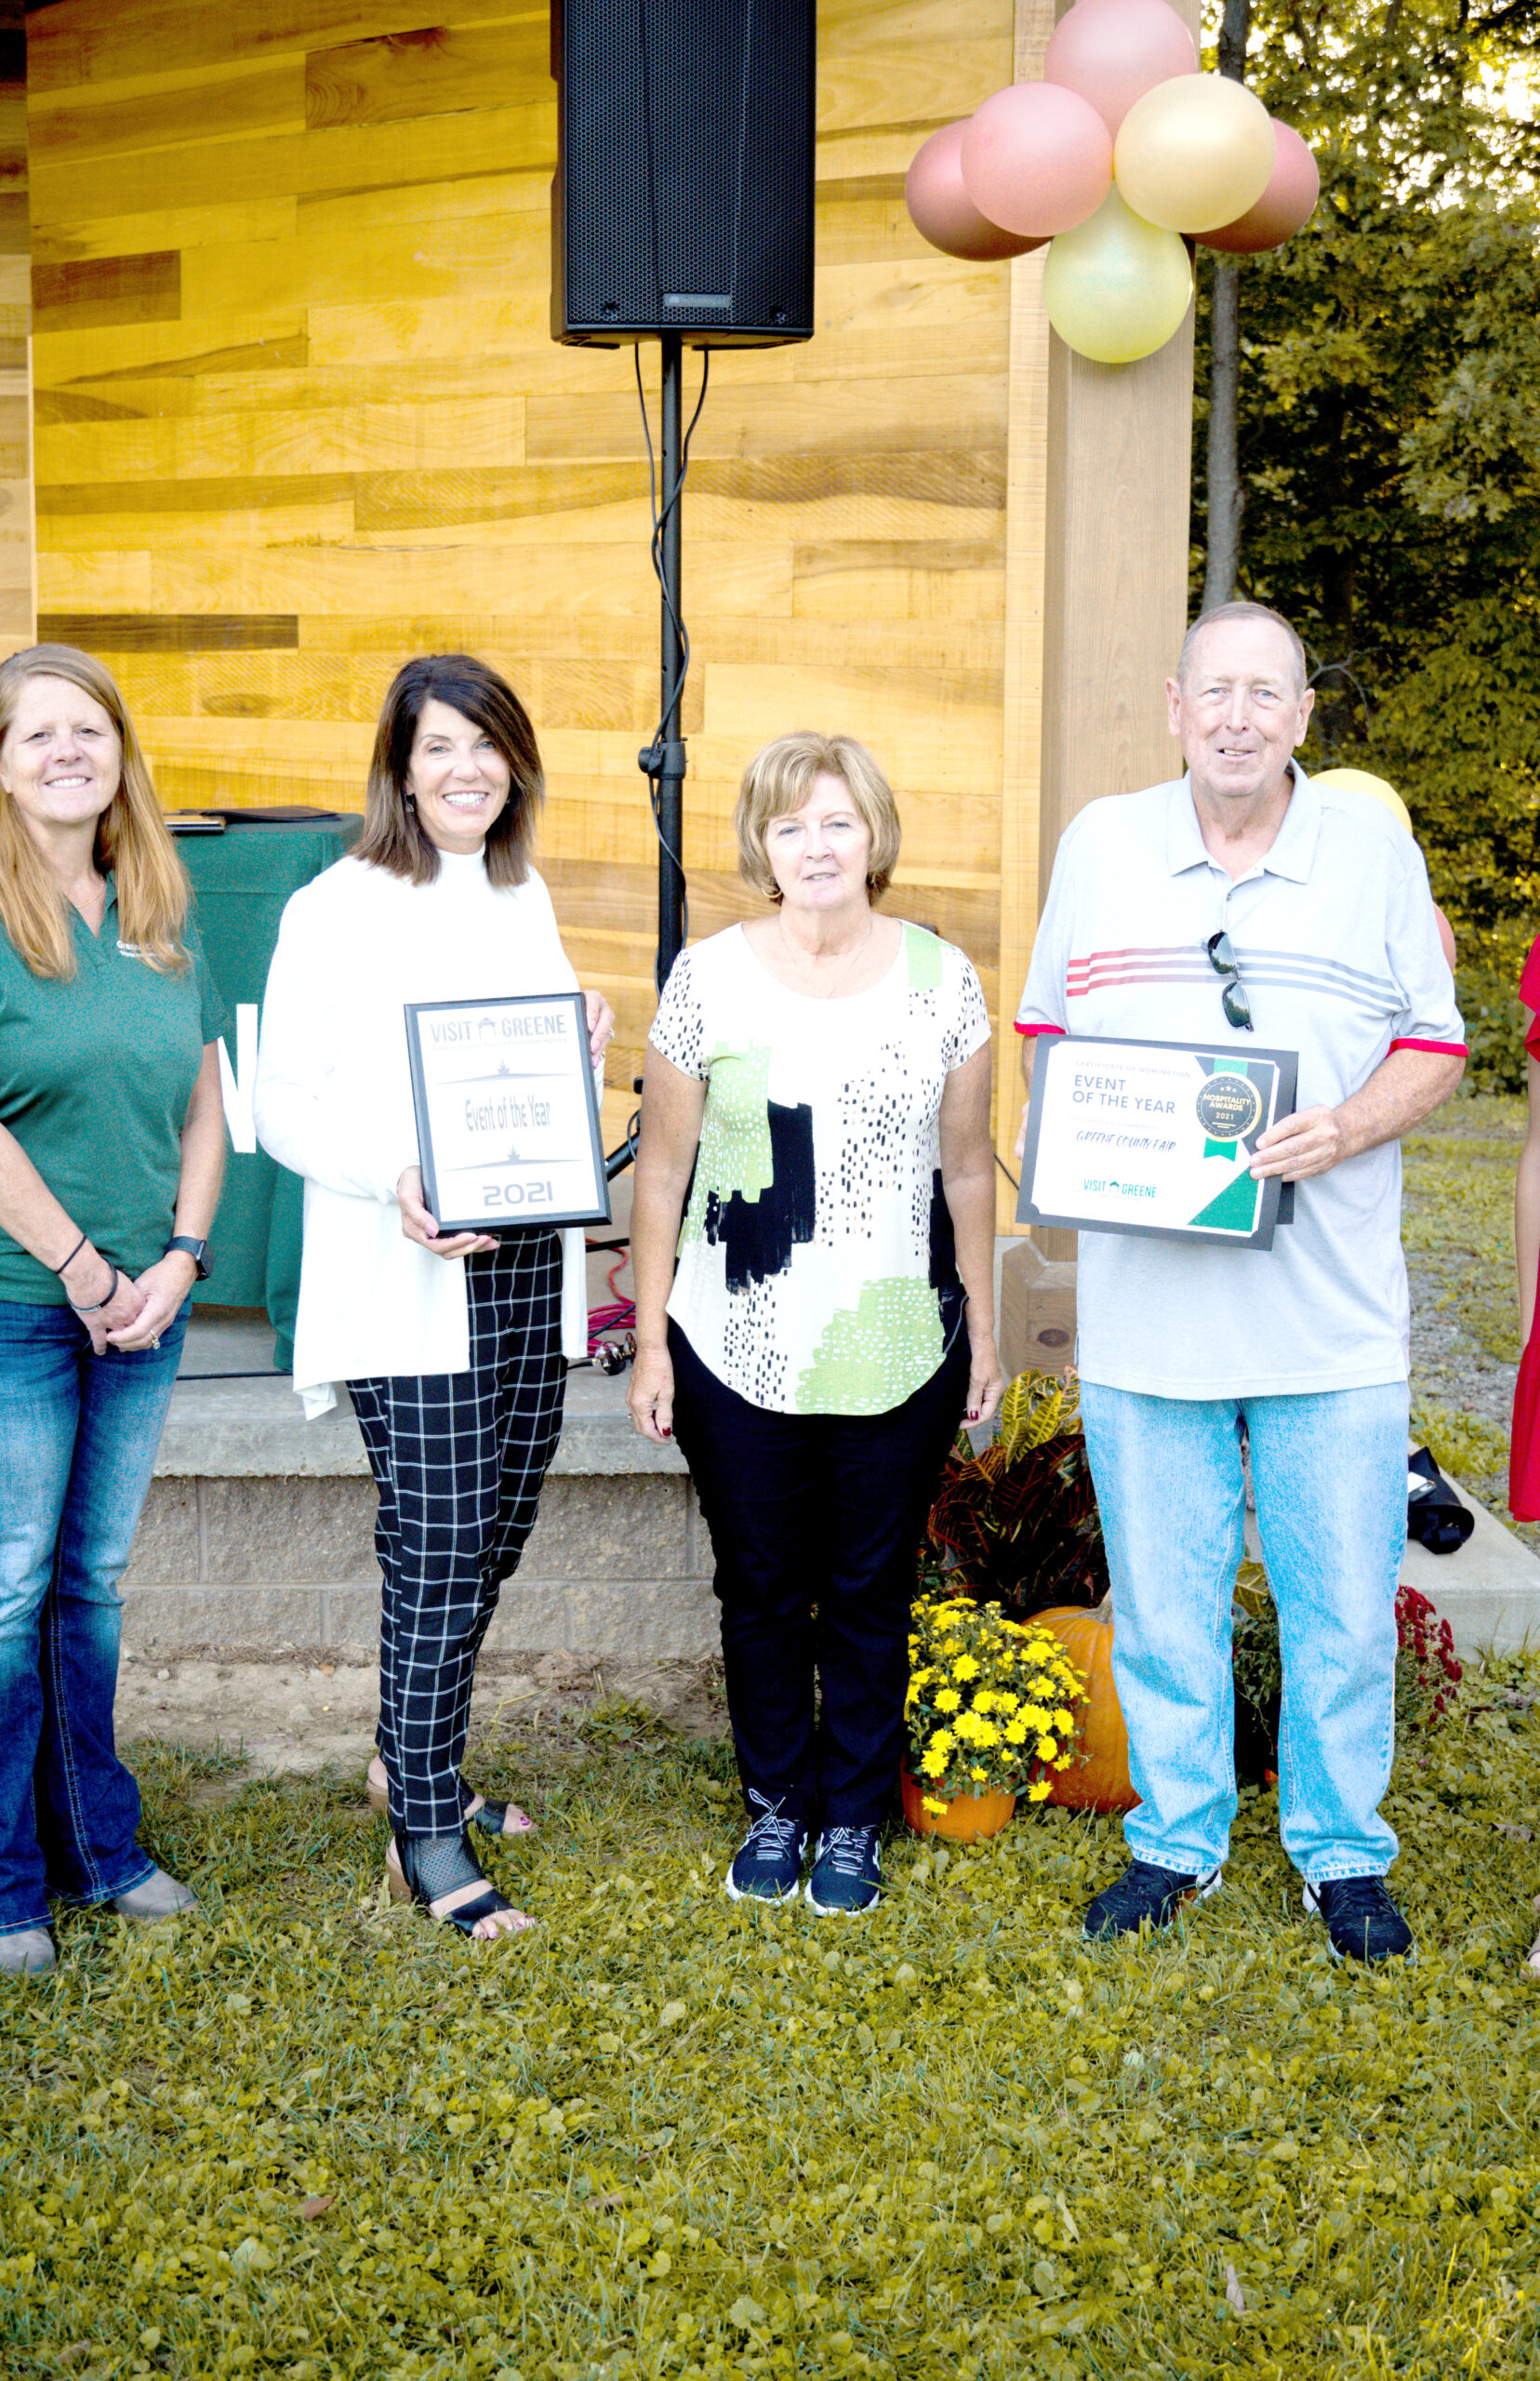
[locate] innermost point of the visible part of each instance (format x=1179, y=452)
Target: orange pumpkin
x=966, y=1818
x=1098, y=1778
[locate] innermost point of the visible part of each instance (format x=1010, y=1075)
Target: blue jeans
x=1330, y=1477
x=78, y=1435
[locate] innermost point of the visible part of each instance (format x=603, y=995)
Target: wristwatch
x=196, y=1249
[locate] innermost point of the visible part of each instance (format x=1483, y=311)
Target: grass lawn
x=668, y=2135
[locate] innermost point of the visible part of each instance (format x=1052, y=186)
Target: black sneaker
x=1145, y=1895
x=1362, y=1923
x=767, y=1865
x=847, y=1874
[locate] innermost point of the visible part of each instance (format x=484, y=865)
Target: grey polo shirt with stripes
x=1339, y=949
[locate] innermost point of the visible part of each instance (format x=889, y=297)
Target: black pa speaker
x=683, y=191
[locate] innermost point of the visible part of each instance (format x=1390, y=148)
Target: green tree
x=1388, y=442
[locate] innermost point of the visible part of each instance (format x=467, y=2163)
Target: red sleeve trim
x=1445, y=1049
x=1029, y=1030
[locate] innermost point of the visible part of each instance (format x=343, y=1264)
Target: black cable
x=675, y=692
x=1006, y=1171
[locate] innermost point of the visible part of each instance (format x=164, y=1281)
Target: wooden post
x=1118, y=461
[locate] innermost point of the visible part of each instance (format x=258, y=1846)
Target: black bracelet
x=100, y=1302
x=75, y=1252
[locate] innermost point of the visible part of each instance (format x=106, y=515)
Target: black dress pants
x=819, y=1511
x=459, y=1460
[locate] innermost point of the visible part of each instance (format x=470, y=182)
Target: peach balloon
x=1113, y=51
x=1194, y=153
x=1284, y=207
x=941, y=210
x=1037, y=158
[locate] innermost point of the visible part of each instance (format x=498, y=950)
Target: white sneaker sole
x=772, y=1901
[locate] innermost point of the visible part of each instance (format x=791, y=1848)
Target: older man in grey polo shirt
x=1245, y=899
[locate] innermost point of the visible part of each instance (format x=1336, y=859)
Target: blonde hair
x=132, y=839
x=779, y=779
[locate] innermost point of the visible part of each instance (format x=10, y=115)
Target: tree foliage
x=1389, y=445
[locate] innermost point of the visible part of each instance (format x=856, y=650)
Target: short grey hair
x=1242, y=610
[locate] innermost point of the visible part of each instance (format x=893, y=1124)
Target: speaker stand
x=664, y=762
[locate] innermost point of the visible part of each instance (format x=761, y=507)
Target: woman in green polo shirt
x=111, y=1149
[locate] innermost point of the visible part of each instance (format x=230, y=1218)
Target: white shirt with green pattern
x=817, y=1272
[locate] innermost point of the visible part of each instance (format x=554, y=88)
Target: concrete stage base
x=258, y=1532
x=259, y=1529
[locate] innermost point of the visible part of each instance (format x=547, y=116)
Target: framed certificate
x=1155, y=1138
x=507, y=1112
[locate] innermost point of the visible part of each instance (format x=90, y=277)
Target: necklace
x=807, y=958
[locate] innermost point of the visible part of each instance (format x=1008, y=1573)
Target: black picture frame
x=1277, y=1199
x=504, y=1176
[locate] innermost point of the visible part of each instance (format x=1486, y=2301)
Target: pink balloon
x=942, y=211
x=1037, y=158
x=1284, y=207
x=1113, y=51
x=1446, y=934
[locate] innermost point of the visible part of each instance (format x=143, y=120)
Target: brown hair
x=779, y=779
x=394, y=836
x=132, y=839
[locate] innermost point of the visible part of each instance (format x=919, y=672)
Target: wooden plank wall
x=298, y=417
x=18, y=573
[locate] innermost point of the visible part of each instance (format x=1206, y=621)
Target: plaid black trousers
x=458, y=1458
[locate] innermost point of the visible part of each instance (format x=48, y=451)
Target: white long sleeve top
x=334, y=1102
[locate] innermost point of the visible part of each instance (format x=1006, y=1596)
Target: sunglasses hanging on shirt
x=1223, y=961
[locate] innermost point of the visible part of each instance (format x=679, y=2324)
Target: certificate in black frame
x=1276, y=1202
x=522, y=1193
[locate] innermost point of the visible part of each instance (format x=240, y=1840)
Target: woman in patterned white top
x=813, y=1237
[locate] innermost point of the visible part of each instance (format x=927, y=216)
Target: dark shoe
x=1362, y=1923
x=492, y=1818
x=1145, y=1895
x=767, y=1865
x=847, y=1874
x=442, y=1874
x=30, y=1952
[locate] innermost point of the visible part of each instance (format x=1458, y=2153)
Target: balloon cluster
x=1122, y=149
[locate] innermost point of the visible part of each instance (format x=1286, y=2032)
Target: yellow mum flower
x=1038, y=1791
x=986, y=1733
x=981, y=1774
x=1016, y=1731
x=948, y=1699
x=965, y=1668
x=1046, y=1748
x=1063, y=1721
x=941, y=1740
x=985, y=1700
x=1034, y=1715
x=934, y=1808
x=934, y=1763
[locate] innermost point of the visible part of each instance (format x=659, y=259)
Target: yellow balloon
x=1116, y=288
x=1195, y=152
x=1362, y=781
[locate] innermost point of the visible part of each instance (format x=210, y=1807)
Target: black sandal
x=491, y=1818
x=442, y=1874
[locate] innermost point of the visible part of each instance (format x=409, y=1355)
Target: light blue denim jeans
x=1330, y=1477
x=78, y=1435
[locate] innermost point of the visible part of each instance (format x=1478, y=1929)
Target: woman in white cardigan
x=454, y=1348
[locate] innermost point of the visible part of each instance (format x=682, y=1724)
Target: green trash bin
x=244, y=865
